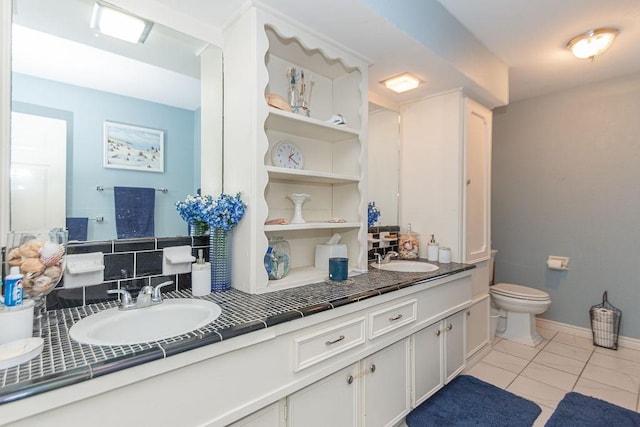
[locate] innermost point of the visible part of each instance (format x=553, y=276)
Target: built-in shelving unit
x=261, y=49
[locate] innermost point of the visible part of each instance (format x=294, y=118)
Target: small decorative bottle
x=277, y=258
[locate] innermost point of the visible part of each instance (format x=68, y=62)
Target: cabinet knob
x=340, y=338
x=373, y=368
x=438, y=332
x=350, y=379
x=449, y=327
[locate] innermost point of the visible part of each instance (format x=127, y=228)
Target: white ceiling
x=527, y=35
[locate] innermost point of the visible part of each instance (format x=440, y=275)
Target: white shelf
x=298, y=175
x=295, y=124
x=312, y=226
x=302, y=276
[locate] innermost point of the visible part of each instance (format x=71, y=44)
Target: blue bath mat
x=468, y=401
x=576, y=410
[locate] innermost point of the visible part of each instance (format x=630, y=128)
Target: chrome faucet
x=387, y=258
x=147, y=296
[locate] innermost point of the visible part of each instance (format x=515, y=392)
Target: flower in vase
x=373, y=213
x=225, y=212
x=193, y=208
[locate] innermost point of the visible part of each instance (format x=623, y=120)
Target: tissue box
x=324, y=252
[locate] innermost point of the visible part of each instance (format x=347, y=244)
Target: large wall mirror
x=384, y=162
x=69, y=84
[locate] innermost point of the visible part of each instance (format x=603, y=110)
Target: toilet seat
x=519, y=292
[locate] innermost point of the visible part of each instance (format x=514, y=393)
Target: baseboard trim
x=632, y=343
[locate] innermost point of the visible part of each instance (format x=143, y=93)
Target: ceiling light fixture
x=401, y=83
x=592, y=43
x=119, y=24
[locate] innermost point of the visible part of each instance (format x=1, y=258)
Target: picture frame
x=133, y=148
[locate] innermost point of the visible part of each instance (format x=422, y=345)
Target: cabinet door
x=332, y=401
x=427, y=360
x=454, y=343
x=386, y=385
x=477, y=325
x=477, y=182
x=265, y=417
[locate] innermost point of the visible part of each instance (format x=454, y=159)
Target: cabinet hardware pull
x=335, y=341
x=449, y=327
x=350, y=379
x=399, y=316
x=373, y=368
x=468, y=181
x=438, y=332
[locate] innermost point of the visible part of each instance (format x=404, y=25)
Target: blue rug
x=576, y=410
x=468, y=401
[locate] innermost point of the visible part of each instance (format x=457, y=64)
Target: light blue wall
x=566, y=181
x=89, y=109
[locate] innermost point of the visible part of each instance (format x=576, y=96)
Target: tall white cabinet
x=259, y=49
x=446, y=168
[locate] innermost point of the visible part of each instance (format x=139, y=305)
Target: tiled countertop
x=64, y=362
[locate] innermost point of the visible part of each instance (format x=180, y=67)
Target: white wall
x=566, y=181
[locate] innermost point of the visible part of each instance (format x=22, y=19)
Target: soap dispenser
x=432, y=249
x=200, y=277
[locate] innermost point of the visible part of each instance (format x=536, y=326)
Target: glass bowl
x=40, y=255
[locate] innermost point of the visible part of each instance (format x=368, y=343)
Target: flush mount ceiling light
x=119, y=24
x=592, y=43
x=401, y=83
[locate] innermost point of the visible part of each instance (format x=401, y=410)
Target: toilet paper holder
x=558, y=262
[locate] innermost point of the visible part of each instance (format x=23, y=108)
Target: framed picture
x=133, y=148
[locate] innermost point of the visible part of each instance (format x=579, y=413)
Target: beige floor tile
x=516, y=349
x=492, y=374
x=562, y=363
x=543, y=417
x=606, y=392
x=574, y=340
x=546, y=333
x=610, y=377
x=611, y=362
x=505, y=361
x=542, y=394
x=568, y=351
x=622, y=353
x=551, y=376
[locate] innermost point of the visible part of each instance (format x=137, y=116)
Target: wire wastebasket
x=605, y=324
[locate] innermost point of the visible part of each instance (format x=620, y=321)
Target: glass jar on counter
x=277, y=258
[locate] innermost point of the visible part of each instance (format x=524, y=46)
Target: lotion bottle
x=432, y=249
x=200, y=277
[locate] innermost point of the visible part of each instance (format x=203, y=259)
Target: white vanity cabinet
x=438, y=356
x=259, y=50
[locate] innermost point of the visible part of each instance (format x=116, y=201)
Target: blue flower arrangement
x=224, y=212
x=373, y=213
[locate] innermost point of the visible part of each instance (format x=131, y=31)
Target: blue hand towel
x=135, y=211
x=77, y=228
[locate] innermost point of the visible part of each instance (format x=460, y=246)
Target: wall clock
x=286, y=154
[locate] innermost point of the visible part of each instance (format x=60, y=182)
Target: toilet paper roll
x=555, y=264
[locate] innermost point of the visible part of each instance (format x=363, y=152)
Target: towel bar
x=102, y=188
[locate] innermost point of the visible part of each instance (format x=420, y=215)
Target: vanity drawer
x=320, y=345
x=391, y=318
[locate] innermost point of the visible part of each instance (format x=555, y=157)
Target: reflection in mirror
x=384, y=162
x=67, y=82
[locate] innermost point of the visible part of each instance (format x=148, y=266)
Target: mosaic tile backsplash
x=129, y=264
x=382, y=239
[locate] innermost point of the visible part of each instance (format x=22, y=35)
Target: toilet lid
x=520, y=292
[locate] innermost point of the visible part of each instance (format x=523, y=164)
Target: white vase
x=298, y=199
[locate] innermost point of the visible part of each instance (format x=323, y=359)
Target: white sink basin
x=120, y=327
x=406, y=266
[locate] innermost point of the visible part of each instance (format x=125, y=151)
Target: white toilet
x=518, y=308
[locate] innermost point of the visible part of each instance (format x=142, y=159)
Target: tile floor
x=559, y=364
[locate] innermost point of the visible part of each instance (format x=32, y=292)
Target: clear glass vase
x=40, y=257
x=220, y=257
x=198, y=228
x=277, y=258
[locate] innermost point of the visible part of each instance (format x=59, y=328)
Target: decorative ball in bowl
x=41, y=259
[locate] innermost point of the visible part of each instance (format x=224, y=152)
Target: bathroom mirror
x=70, y=83
x=384, y=162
